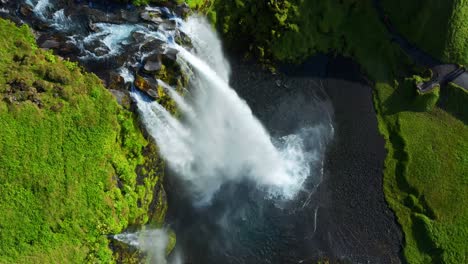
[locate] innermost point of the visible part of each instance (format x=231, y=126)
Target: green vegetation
x=68, y=155
x=426, y=170
x=192, y=3
x=69, y=152
x=439, y=27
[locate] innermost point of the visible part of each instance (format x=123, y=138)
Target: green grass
x=438, y=27
x=425, y=175
x=68, y=156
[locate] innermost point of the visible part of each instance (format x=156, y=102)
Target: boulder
x=147, y=85
x=153, y=45
x=50, y=44
x=120, y=96
x=152, y=63
x=182, y=10
x=171, y=53
x=152, y=16
x=130, y=16
x=139, y=37
x=25, y=10
x=169, y=24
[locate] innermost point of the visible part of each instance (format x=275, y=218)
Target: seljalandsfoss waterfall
x=254, y=160
x=218, y=139
x=218, y=142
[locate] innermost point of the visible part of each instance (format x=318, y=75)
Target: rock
x=152, y=93
x=50, y=44
x=115, y=81
x=169, y=24
x=120, y=96
x=149, y=86
x=171, y=54
x=154, y=45
x=130, y=16
x=97, y=47
x=139, y=36
x=26, y=10
x=153, y=63
x=98, y=16
x=152, y=16
x=92, y=26
x=182, y=10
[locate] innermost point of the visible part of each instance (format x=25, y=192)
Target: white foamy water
x=219, y=139
x=61, y=22
x=40, y=8
x=152, y=242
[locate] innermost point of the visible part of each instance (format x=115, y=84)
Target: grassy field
x=68, y=156
x=426, y=169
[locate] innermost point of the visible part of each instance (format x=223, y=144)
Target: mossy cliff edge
x=425, y=177
x=69, y=158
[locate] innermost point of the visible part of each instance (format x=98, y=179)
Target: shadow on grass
x=421, y=229
x=453, y=100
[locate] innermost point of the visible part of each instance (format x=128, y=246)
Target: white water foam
x=152, y=242
x=41, y=7
x=61, y=22
x=219, y=139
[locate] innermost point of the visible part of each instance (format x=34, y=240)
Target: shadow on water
x=340, y=215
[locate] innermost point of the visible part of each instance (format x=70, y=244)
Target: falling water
x=153, y=242
x=219, y=139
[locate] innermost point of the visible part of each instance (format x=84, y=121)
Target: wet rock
x=182, y=10
x=154, y=45
x=152, y=16
x=153, y=63
x=120, y=96
x=50, y=44
x=130, y=16
x=171, y=54
x=115, y=81
x=147, y=85
x=98, y=16
x=139, y=37
x=25, y=10
x=169, y=24
x=152, y=93
x=57, y=42
x=92, y=26
x=97, y=47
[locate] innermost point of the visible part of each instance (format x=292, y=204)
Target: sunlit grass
x=68, y=155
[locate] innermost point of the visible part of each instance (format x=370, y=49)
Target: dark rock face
x=26, y=10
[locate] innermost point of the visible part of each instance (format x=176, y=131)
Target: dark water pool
x=344, y=219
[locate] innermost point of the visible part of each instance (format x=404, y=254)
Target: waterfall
x=153, y=242
x=219, y=140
